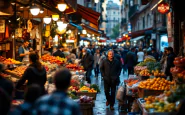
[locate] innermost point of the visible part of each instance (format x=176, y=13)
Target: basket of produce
x=87, y=91
x=153, y=86
x=86, y=105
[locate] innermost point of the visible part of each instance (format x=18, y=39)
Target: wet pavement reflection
x=100, y=106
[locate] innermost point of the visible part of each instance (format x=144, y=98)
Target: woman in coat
x=34, y=74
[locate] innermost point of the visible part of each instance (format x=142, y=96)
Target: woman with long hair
x=34, y=74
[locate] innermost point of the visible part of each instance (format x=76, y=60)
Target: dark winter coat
x=170, y=63
x=131, y=59
x=110, y=70
x=59, y=53
x=34, y=76
x=87, y=61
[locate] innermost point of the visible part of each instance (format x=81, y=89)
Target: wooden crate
x=93, y=95
x=142, y=93
x=86, y=108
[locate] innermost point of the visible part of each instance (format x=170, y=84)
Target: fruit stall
x=80, y=90
x=152, y=92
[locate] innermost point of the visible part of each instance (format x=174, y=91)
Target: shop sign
x=2, y=26
x=129, y=27
x=163, y=8
x=169, y=27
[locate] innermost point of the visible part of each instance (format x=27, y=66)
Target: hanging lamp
x=34, y=10
x=62, y=6
x=47, y=19
x=55, y=17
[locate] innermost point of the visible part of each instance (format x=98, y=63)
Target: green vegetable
x=95, y=87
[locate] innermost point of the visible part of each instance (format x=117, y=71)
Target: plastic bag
x=120, y=93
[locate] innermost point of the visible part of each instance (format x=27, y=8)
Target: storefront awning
x=137, y=38
x=91, y=30
x=85, y=39
x=139, y=33
x=89, y=15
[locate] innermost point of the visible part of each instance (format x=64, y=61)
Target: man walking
x=87, y=63
x=110, y=69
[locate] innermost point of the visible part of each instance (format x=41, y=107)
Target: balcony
x=133, y=9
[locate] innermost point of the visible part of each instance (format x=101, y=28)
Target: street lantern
x=163, y=8
x=62, y=6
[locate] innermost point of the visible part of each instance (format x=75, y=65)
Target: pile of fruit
x=139, y=68
x=157, y=73
x=161, y=106
x=131, y=82
x=4, y=75
x=73, y=88
x=156, y=84
x=145, y=72
x=87, y=89
x=53, y=59
x=149, y=60
x=19, y=71
x=11, y=61
x=176, y=70
x=74, y=67
x=179, y=61
x=2, y=58
x=48, y=66
x=74, y=83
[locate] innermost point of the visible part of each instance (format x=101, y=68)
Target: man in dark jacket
x=171, y=56
x=59, y=52
x=87, y=62
x=110, y=70
x=131, y=61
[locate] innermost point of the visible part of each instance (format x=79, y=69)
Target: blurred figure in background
x=59, y=52
x=163, y=60
x=170, y=59
x=72, y=56
x=32, y=93
x=87, y=63
x=140, y=56
x=58, y=102
x=97, y=56
x=155, y=54
x=131, y=61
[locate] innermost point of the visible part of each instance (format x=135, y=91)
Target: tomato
x=176, y=62
x=182, y=60
x=177, y=58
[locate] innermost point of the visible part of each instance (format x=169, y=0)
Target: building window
x=148, y=20
x=143, y=22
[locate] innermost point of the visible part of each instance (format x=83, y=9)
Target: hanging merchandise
x=47, y=32
x=2, y=26
x=29, y=25
x=7, y=32
x=163, y=8
x=18, y=33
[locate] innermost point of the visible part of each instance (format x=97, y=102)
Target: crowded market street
x=92, y=57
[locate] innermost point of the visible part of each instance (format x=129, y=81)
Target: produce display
x=4, y=75
x=149, y=59
x=74, y=67
x=19, y=71
x=74, y=83
x=156, y=84
x=157, y=73
x=53, y=59
x=9, y=61
x=179, y=61
x=95, y=87
x=87, y=89
x=85, y=99
x=48, y=66
x=139, y=68
x=131, y=82
x=176, y=70
x=145, y=72
x=73, y=88
x=153, y=66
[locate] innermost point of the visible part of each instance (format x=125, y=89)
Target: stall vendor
x=24, y=52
